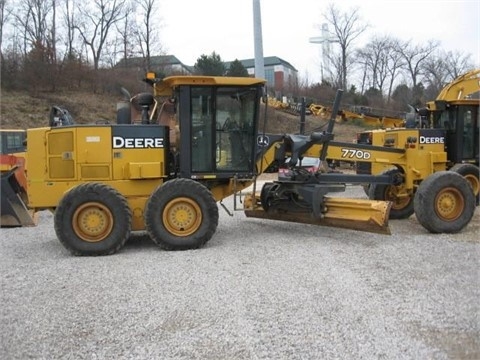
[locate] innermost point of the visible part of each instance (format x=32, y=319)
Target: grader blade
x=355, y=214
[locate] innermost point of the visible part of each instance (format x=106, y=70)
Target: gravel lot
x=258, y=290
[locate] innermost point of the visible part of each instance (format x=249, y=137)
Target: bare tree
x=32, y=16
x=347, y=27
x=69, y=21
x=442, y=67
x=457, y=63
x=36, y=20
x=395, y=63
x=375, y=59
x=126, y=31
x=3, y=18
x=435, y=74
x=53, y=33
x=415, y=57
x=96, y=22
x=147, y=40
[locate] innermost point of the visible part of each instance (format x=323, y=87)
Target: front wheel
x=181, y=214
x=444, y=202
x=93, y=219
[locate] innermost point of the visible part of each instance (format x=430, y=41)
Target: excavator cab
x=460, y=119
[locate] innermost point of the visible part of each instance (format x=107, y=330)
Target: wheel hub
x=92, y=222
x=182, y=216
x=449, y=204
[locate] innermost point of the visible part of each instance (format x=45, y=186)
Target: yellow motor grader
x=196, y=142
x=447, y=139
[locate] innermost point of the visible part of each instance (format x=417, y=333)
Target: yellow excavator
x=195, y=142
x=362, y=114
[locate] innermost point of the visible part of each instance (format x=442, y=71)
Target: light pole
x=257, y=35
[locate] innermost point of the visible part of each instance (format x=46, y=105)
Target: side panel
x=131, y=159
x=139, y=152
x=424, y=151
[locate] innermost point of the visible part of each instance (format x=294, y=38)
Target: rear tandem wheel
x=181, y=214
x=93, y=219
x=444, y=202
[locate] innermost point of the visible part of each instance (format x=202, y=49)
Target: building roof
x=169, y=60
x=268, y=61
x=160, y=60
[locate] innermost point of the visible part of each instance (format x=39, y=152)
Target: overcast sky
x=191, y=28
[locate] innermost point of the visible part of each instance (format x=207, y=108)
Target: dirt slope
x=21, y=111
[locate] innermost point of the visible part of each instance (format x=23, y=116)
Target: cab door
x=462, y=128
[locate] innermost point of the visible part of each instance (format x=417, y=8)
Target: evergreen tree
x=237, y=69
x=210, y=65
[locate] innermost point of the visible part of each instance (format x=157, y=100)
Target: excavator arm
x=461, y=87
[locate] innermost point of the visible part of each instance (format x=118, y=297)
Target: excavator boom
x=460, y=88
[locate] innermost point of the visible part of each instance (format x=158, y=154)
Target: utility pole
x=257, y=38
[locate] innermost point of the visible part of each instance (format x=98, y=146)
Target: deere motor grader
x=446, y=140
x=196, y=142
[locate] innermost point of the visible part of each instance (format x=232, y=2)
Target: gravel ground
x=257, y=290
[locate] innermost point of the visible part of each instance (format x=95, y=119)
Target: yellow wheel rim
x=449, y=204
x=92, y=222
x=473, y=180
x=182, y=216
x=398, y=202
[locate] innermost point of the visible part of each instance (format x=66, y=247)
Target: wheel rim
x=473, y=180
x=449, y=204
x=92, y=222
x=182, y=216
x=398, y=202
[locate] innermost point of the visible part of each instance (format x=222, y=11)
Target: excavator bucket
x=13, y=211
x=356, y=214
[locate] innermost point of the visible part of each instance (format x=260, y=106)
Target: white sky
x=191, y=28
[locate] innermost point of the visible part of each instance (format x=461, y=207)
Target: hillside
x=20, y=110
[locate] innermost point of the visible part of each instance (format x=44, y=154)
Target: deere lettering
x=136, y=143
x=432, y=140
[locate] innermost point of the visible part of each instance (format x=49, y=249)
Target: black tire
x=181, y=214
x=444, y=202
x=402, y=205
x=471, y=173
x=93, y=219
x=264, y=197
